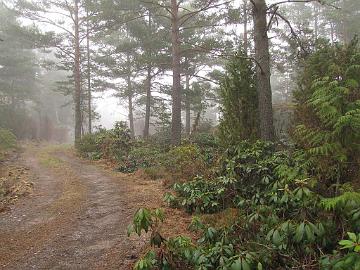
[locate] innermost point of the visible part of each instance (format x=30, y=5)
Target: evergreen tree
x=239, y=107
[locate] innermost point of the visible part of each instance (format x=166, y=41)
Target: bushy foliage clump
x=328, y=112
x=111, y=144
x=142, y=155
x=184, y=162
x=239, y=102
x=283, y=220
x=8, y=141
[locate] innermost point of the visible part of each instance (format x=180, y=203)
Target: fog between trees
x=164, y=60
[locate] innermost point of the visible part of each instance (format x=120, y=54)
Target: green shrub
x=7, y=139
x=283, y=220
x=350, y=259
x=205, y=140
x=174, y=253
x=328, y=112
x=184, y=162
x=145, y=155
x=89, y=145
x=161, y=139
x=142, y=155
x=8, y=142
x=239, y=102
x=113, y=144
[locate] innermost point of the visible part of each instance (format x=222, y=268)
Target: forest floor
x=77, y=214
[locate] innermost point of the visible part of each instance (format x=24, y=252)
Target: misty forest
x=180, y=134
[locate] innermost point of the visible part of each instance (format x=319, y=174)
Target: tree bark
x=77, y=75
x=148, y=91
x=131, y=117
x=130, y=97
x=196, y=122
x=148, y=102
x=187, y=105
x=88, y=76
x=246, y=43
x=316, y=21
x=176, y=91
x=262, y=57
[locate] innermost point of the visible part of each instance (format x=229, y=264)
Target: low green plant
x=184, y=162
x=283, y=220
x=171, y=251
x=347, y=258
x=8, y=141
x=113, y=144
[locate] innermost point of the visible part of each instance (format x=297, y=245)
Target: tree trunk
x=131, y=117
x=130, y=97
x=332, y=33
x=187, y=105
x=316, y=21
x=196, y=122
x=262, y=57
x=77, y=76
x=176, y=91
x=246, y=43
x=148, y=103
x=88, y=75
x=148, y=91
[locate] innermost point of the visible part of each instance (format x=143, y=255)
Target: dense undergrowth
x=282, y=221
x=8, y=142
x=14, y=179
x=194, y=157
x=259, y=205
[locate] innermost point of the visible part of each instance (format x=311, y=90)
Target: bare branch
x=301, y=1
x=295, y=35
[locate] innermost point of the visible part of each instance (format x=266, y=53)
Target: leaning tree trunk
x=176, y=91
x=262, y=57
x=77, y=76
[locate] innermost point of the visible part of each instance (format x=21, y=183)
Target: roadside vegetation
x=14, y=180
x=256, y=204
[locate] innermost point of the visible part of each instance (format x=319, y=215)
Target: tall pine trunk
x=262, y=57
x=130, y=97
x=246, y=42
x=148, y=91
x=176, y=91
x=77, y=75
x=88, y=76
x=148, y=103
x=187, y=105
x=131, y=115
x=316, y=21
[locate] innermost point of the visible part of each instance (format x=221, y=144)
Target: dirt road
x=76, y=217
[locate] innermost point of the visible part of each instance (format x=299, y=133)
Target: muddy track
x=75, y=219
